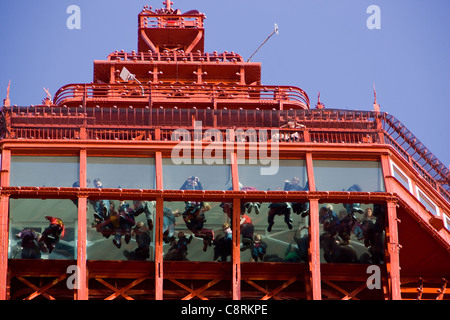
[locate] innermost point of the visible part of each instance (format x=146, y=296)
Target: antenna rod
x=274, y=31
x=167, y=3
x=374, y=94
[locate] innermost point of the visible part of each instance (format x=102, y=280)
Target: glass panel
x=196, y=231
x=123, y=232
x=402, y=178
x=427, y=202
x=195, y=177
x=447, y=221
x=127, y=173
x=270, y=232
x=340, y=175
x=35, y=233
x=291, y=175
x=352, y=233
x=44, y=171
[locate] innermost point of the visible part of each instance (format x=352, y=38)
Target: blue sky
x=322, y=46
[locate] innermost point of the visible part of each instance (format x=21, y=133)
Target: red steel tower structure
x=178, y=175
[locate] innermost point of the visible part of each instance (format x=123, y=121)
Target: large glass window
x=196, y=231
x=447, y=221
x=196, y=176
x=341, y=175
x=121, y=172
x=427, y=202
x=44, y=171
x=42, y=229
x=120, y=230
x=352, y=233
x=401, y=177
x=273, y=232
x=290, y=175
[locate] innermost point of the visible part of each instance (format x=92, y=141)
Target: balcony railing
x=147, y=21
x=180, y=95
x=417, y=154
x=175, y=56
x=161, y=124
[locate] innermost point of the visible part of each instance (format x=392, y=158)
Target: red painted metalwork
x=174, y=83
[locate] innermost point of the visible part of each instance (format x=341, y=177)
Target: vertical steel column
x=158, y=224
x=236, y=254
x=386, y=170
x=314, y=249
x=82, y=281
x=393, y=246
x=5, y=167
x=4, y=232
x=393, y=267
x=4, y=223
x=310, y=172
x=314, y=243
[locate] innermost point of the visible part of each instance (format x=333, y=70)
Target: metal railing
x=177, y=94
x=151, y=20
x=148, y=117
x=160, y=124
x=175, y=56
x=417, y=154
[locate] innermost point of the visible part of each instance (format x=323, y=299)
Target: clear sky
x=323, y=46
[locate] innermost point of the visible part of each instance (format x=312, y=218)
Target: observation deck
x=169, y=95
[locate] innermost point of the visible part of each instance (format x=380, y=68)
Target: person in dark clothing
x=297, y=207
x=29, y=244
x=223, y=243
x=146, y=207
x=178, y=248
x=126, y=223
x=279, y=209
x=52, y=234
x=143, y=240
x=192, y=183
x=194, y=218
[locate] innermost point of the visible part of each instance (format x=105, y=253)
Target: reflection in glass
x=340, y=175
x=42, y=229
x=447, y=221
x=426, y=202
x=44, y=171
x=291, y=176
x=123, y=232
x=117, y=172
x=262, y=240
x=196, y=231
x=195, y=177
x=352, y=233
x=401, y=177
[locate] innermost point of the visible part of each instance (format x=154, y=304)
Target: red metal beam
x=393, y=246
x=314, y=249
x=4, y=245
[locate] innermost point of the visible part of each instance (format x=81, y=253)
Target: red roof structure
x=170, y=141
